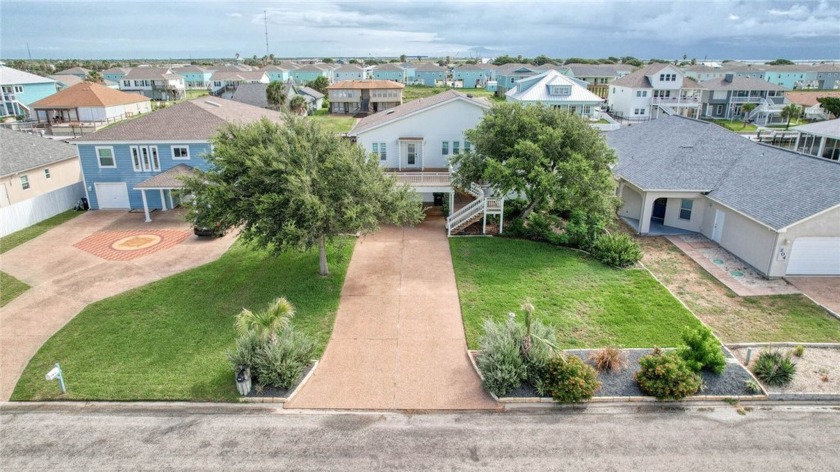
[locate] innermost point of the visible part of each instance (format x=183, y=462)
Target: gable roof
x=406, y=109
x=538, y=89
x=349, y=68
x=197, y=119
x=20, y=151
x=311, y=92
x=639, y=78
x=809, y=99
x=88, y=94
x=237, y=75
x=116, y=70
x=512, y=67
x=67, y=80
x=170, y=178
x=369, y=84
x=312, y=68
x=740, y=83
x=428, y=67
x=252, y=94
x=475, y=67
x=74, y=71
x=681, y=154
x=9, y=76
x=149, y=73
x=597, y=70
x=389, y=68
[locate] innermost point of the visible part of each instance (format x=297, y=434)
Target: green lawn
x=589, y=304
x=793, y=123
x=19, y=237
x=413, y=92
x=196, y=93
x=333, y=123
x=168, y=340
x=736, y=126
x=10, y=288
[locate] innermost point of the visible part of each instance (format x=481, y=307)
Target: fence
x=28, y=212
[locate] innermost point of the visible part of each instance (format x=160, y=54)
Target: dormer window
x=559, y=90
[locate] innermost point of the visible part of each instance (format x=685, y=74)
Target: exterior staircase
x=475, y=211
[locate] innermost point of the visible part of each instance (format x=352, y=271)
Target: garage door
x=112, y=195
x=814, y=256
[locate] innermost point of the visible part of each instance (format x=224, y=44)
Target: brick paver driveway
x=398, y=341
x=65, y=278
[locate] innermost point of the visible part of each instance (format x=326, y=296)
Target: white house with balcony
x=157, y=83
x=555, y=90
x=414, y=143
x=658, y=89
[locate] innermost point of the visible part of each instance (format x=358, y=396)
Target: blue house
x=389, y=72
x=474, y=75
x=310, y=72
x=138, y=163
x=278, y=73
x=508, y=74
x=21, y=89
x=349, y=72
x=410, y=71
x=194, y=77
x=429, y=74
x=114, y=74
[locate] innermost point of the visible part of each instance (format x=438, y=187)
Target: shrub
x=582, y=230
x=799, y=350
x=752, y=386
x=610, y=359
x=538, y=346
x=280, y=363
x=244, y=351
x=702, y=350
x=617, y=250
x=774, y=369
x=568, y=379
x=501, y=361
x=666, y=376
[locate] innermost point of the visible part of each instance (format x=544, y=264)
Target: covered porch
x=660, y=213
x=166, y=182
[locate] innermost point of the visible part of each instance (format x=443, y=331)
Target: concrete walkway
x=398, y=341
x=64, y=279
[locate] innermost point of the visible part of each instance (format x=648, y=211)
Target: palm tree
x=298, y=105
x=790, y=112
x=95, y=77
x=266, y=324
x=746, y=109
x=275, y=95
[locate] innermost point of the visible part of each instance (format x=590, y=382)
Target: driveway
x=91, y=257
x=824, y=290
x=398, y=341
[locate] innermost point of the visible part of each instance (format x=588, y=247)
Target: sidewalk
x=398, y=341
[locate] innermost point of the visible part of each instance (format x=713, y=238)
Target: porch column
x=452, y=201
x=822, y=146
x=145, y=206
x=399, y=155
x=502, y=217
x=647, y=209
x=171, y=203
x=162, y=200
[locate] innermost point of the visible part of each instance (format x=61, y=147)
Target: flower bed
x=817, y=372
x=277, y=395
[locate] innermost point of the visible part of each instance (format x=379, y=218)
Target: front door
x=659, y=206
x=411, y=154
x=717, y=229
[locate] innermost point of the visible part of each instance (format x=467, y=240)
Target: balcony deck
x=422, y=178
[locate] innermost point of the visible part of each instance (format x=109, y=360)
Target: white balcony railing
x=423, y=179
x=684, y=101
x=747, y=99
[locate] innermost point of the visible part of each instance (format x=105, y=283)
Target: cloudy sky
x=748, y=29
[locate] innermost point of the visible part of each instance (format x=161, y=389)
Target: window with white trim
x=155, y=158
x=145, y=158
x=24, y=182
x=180, y=153
x=685, y=208
x=467, y=146
x=456, y=147
x=444, y=148
x=18, y=88
x=381, y=150
x=47, y=173
x=105, y=157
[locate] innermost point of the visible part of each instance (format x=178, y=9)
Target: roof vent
x=213, y=103
x=469, y=95
x=388, y=113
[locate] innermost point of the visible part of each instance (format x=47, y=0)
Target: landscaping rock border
x=277, y=395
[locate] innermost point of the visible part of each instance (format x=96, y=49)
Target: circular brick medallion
x=136, y=242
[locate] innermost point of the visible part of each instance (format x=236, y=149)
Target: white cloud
x=235, y=15
x=733, y=16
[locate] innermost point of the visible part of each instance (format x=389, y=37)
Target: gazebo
x=165, y=183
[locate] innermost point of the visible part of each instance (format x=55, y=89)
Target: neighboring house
x=349, y=72
x=793, y=77
x=86, y=107
x=598, y=76
x=224, y=83
x=410, y=71
x=195, y=77
x=39, y=178
x=555, y=90
x=508, y=74
x=809, y=104
x=314, y=99
x=722, y=99
x=278, y=73
x=65, y=81
x=254, y=94
x=414, y=143
x=79, y=72
x=114, y=74
x=429, y=74
x=392, y=72
x=136, y=164
x=305, y=74
x=157, y=83
x=474, y=75
x=654, y=90
x=820, y=139
x=352, y=97
x=776, y=210
x=20, y=89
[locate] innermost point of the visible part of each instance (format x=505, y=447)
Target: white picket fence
x=28, y=212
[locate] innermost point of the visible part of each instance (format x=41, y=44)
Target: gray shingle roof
x=23, y=151
x=393, y=114
x=768, y=184
x=740, y=83
x=197, y=119
x=311, y=92
x=597, y=70
x=148, y=73
x=170, y=178
x=251, y=94
x=638, y=79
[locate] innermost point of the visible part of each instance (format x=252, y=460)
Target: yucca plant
x=267, y=323
x=774, y=368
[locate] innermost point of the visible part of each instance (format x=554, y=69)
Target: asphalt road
x=255, y=437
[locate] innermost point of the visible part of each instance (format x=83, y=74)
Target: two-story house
x=305, y=74
x=508, y=74
x=157, y=83
x=653, y=90
x=553, y=89
x=723, y=98
x=598, y=76
x=351, y=97
x=223, y=83
x=137, y=163
x=115, y=74
x=474, y=75
x=429, y=74
x=20, y=89
x=279, y=73
x=195, y=77
x=349, y=72
x=392, y=72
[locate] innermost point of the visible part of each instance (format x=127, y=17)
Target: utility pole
x=265, y=20
x=28, y=52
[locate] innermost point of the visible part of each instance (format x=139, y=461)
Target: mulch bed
x=273, y=392
x=622, y=384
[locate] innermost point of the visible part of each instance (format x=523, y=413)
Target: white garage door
x=112, y=195
x=814, y=256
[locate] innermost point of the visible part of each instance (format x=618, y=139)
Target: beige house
x=39, y=178
x=87, y=107
x=777, y=210
x=350, y=97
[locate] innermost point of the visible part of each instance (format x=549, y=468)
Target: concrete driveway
x=824, y=290
x=398, y=341
x=65, y=278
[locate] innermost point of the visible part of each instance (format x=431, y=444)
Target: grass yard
x=195, y=93
x=589, y=304
x=793, y=123
x=736, y=126
x=413, y=92
x=10, y=288
x=168, y=340
x=333, y=123
x=792, y=318
x=19, y=237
